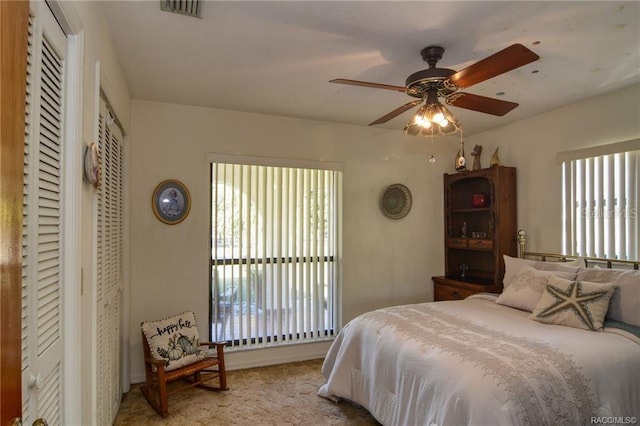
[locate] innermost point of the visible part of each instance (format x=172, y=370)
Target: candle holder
x=463, y=270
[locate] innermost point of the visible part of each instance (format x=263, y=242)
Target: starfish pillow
x=579, y=304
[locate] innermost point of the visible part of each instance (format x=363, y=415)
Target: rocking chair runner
x=196, y=374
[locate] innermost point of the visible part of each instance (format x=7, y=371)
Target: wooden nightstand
x=453, y=289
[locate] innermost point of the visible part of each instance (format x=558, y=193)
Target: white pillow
x=579, y=304
x=625, y=303
x=513, y=264
x=527, y=287
x=174, y=339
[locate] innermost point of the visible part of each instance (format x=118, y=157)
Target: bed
x=482, y=361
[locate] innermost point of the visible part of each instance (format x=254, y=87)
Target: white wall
x=385, y=262
x=531, y=146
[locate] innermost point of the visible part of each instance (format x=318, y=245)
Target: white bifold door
x=43, y=275
x=109, y=267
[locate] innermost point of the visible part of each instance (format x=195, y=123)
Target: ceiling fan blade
x=481, y=103
x=505, y=60
x=368, y=84
x=396, y=112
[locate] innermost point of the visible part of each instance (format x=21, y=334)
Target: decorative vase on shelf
x=480, y=200
x=495, y=160
x=461, y=162
x=477, y=151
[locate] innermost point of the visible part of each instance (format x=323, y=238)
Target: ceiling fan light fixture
x=432, y=118
x=420, y=121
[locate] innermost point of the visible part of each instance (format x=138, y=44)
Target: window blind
x=600, y=205
x=274, y=253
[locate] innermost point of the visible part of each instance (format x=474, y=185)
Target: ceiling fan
x=429, y=84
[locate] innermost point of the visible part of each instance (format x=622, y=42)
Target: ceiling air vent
x=183, y=7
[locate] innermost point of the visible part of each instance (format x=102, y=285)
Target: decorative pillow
x=513, y=264
x=527, y=287
x=579, y=304
x=174, y=340
x=625, y=303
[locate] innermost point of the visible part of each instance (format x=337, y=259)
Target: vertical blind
x=600, y=208
x=274, y=253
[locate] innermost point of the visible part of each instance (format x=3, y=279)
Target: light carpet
x=276, y=395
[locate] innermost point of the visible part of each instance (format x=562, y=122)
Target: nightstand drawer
x=480, y=244
x=457, y=242
x=445, y=292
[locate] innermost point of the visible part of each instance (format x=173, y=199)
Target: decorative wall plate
x=171, y=202
x=92, y=165
x=396, y=201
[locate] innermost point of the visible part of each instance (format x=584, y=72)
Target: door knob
x=36, y=381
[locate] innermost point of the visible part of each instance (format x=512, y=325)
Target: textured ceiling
x=277, y=57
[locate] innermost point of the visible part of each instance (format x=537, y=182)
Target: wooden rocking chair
x=196, y=374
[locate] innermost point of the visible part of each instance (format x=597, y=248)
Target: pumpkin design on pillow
x=172, y=352
x=174, y=340
x=188, y=346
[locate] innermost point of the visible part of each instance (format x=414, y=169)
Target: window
x=274, y=251
x=600, y=208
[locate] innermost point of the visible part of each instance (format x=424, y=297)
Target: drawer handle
x=456, y=295
x=479, y=243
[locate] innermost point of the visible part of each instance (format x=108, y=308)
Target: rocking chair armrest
x=219, y=346
x=157, y=362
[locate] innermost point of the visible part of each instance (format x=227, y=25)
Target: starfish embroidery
x=572, y=299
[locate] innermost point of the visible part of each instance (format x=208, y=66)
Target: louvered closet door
x=109, y=268
x=42, y=340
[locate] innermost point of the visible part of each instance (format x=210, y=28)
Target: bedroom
x=373, y=158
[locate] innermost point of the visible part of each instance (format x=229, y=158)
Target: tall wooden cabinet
x=480, y=227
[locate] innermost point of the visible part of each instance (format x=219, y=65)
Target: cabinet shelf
x=481, y=258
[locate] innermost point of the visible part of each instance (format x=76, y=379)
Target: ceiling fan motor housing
x=418, y=83
x=421, y=82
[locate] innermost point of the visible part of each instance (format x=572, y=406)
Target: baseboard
x=238, y=360
x=277, y=355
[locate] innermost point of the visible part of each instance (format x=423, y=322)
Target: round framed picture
x=171, y=202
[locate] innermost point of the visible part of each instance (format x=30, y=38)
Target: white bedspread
x=476, y=362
